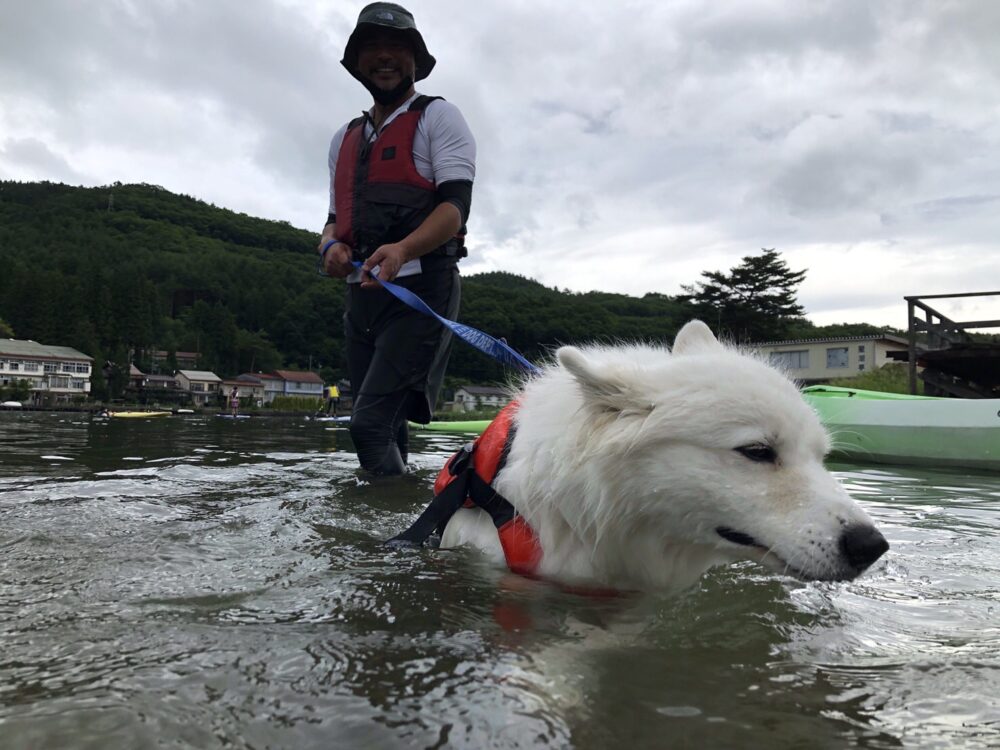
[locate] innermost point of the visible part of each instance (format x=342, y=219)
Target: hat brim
x=423, y=59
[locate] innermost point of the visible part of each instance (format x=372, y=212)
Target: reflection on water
x=209, y=583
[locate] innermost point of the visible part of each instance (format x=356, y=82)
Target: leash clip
x=460, y=461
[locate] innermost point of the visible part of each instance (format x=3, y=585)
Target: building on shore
x=822, y=360
x=267, y=385
x=300, y=384
x=473, y=397
x=202, y=386
x=144, y=388
x=250, y=390
x=54, y=374
x=165, y=383
x=254, y=384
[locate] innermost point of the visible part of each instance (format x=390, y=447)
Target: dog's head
x=711, y=448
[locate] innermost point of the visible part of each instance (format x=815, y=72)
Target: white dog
x=640, y=468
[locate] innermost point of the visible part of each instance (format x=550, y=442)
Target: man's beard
x=386, y=97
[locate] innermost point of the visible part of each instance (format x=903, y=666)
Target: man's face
x=386, y=58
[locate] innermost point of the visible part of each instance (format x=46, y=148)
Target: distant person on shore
x=401, y=179
x=234, y=401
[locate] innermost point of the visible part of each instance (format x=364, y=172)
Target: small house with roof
x=271, y=385
x=158, y=383
x=472, y=397
x=300, y=384
x=253, y=385
x=136, y=377
x=251, y=392
x=145, y=388
x=202, y=386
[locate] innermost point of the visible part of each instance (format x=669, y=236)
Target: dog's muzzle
x=858, y=546
x=861, y=545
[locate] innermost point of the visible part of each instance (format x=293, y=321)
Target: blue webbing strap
x=482, y=341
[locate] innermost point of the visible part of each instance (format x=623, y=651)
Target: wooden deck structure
x=954, y=364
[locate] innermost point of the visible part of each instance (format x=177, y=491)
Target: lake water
x=199, y=582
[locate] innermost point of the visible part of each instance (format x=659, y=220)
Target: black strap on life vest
x=440, y=510
x=454, y=247
x=467, y=485
x=421, y=102
x=417, y=105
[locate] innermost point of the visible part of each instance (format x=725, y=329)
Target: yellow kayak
x=138, y=414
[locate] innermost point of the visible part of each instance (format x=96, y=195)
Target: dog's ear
x=695, y=338
x=603, y=388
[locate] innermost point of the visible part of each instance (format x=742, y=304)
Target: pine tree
x=755, y=301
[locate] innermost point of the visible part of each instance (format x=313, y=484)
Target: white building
x=272, y=384
x=250, y=391
x=60, y=372
x=203, y=386
x=253, y=385
x=472, y=397
x=813, y=360
x=300, y=384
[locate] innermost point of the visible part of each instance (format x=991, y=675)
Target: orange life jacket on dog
x=467, y=480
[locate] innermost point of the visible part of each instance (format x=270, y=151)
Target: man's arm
x=336, y=258
x=442, y=224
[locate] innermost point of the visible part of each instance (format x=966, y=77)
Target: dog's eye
x=736, y=537
x=759, y=452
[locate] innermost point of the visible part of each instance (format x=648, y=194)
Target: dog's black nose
x=862, y=545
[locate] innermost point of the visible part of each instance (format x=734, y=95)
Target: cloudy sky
x=623, y=146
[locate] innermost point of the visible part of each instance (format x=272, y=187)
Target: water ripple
x=200, y=583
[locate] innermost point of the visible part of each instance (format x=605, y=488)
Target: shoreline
x=94, y=410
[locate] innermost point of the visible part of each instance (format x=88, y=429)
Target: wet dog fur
x=640, y=468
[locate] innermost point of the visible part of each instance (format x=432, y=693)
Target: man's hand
x=389, y=259
x=337, y=261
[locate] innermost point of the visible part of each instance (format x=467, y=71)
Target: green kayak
x=892, y=428
x=475, y=426
x=885, y=428
x=832, y=391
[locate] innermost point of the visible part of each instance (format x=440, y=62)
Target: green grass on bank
x=890, y=378
x=297, y=403
x=465, y=416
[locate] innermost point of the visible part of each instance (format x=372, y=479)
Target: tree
x=18, y=390
x=6, y=332
x=119, y=284
x=256, y=352
x=214, y=332
x=755, y=301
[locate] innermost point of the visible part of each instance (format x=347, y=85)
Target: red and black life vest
x=467, y=480
x=380, y=195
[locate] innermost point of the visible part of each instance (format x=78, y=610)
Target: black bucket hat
x=395, y=18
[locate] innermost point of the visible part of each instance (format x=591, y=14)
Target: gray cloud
x=32, y=155
x=675, y=136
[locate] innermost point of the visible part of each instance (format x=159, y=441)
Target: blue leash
x=482, y=341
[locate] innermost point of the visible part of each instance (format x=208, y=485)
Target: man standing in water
x=401, y=179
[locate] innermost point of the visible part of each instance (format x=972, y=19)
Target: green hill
x=123, y=270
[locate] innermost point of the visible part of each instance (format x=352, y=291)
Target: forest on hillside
x=120, y=271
